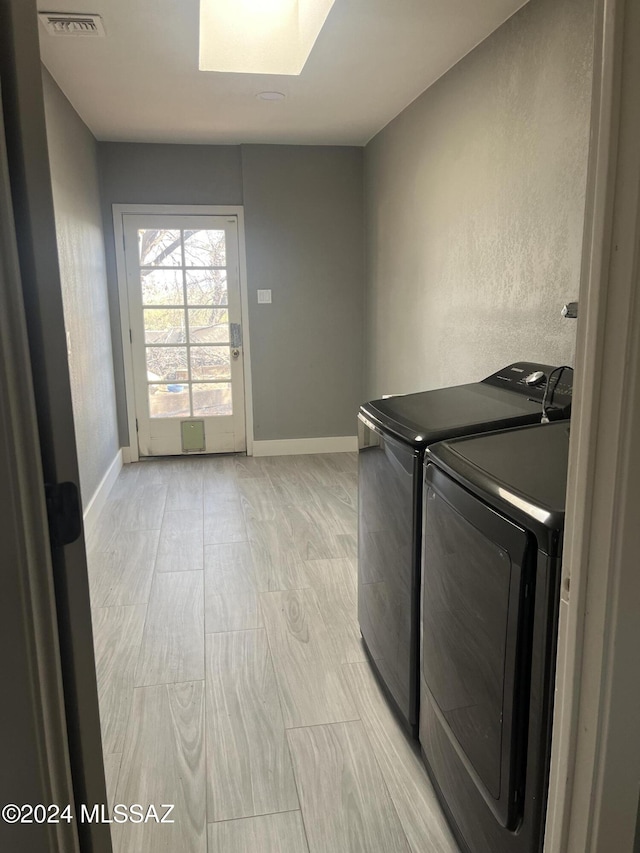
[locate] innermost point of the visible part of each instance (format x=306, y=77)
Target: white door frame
x=593, y=793
x=179, y=210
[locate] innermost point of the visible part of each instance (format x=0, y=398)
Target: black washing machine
x=493, y=523
x=393, y=435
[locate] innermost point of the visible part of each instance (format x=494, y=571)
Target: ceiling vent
x=69, y=24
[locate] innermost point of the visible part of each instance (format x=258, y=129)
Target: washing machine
x=494, y=513
x=393, y=436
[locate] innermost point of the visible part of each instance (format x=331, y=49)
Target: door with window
x=186, y=333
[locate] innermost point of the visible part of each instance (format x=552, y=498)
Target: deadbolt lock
x=235, y=352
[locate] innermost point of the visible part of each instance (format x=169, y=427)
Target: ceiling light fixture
x=259, y=36
x=271, y=96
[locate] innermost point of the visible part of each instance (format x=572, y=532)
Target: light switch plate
x=264, y=297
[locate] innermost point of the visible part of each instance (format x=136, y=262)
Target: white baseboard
x=126, y=455
x=99, y=497
x=295, y=446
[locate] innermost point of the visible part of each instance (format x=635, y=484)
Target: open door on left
x=49, y=720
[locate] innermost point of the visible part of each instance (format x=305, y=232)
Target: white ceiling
x=373, y=57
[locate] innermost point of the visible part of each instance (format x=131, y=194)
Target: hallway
x=231, y=676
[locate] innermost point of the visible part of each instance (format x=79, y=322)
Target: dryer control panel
x=530, y=379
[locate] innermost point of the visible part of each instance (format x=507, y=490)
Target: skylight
x=259, y=36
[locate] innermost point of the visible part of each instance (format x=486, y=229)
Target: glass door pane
x=162, y=287
x=205, y=248
x=167, y=364
x=208, y=325
x=212, y=399
x=210, y=362
x=207, y=287
x=159, y=247
x=169, y=400
x=186, y=268
x=164, y=326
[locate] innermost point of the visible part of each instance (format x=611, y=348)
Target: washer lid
x=429, y=416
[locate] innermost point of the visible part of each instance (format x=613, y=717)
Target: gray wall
x=303, y=214
x=474, y=201
x=76, y=198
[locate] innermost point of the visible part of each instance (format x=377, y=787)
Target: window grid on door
x=218, y=307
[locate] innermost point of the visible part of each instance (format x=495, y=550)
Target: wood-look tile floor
x=232, y=679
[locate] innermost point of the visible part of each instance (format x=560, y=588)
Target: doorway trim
x=131, y=453
x=595, y=759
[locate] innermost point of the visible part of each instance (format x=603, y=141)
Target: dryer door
x=475, y=628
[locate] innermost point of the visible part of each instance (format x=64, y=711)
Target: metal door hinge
x=136, y=425
x=64, y=513
x=130, y=337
